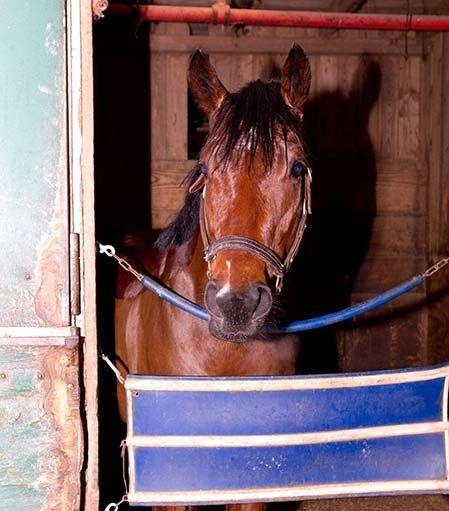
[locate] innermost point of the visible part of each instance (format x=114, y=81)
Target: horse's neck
x=188, y=270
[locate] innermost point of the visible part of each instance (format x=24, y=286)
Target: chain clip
x=113, y=506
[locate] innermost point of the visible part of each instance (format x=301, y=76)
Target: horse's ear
x=296, y=78
x=204, y=83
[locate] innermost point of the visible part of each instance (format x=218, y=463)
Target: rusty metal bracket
x=98, y=6
x=221, y=13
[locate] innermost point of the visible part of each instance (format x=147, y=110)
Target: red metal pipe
x=222, y=14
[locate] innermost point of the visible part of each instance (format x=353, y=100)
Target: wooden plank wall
x=438, y=193
x=375, y=115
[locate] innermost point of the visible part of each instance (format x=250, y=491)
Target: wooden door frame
x=80, y=107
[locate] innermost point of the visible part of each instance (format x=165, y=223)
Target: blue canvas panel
x=287, y=411
x=240, y=453
x=418, y=457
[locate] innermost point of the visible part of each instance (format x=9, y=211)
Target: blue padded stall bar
x=216, y=440
x=295, y=326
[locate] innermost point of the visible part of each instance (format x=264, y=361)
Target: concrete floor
x=412, y=503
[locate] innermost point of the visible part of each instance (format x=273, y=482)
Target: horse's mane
x=184, y=226
x=247, y=120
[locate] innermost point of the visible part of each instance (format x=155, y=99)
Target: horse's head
x=255, y=187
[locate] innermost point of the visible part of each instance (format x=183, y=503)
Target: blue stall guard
x=233, y=440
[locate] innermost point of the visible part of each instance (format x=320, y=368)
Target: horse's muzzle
x=237, y=316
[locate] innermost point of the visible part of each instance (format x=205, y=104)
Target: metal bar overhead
x=221, y=13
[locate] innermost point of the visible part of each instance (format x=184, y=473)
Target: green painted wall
x=26, y=435
x=32, y=148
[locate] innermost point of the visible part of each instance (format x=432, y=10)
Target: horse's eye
x=298, y=169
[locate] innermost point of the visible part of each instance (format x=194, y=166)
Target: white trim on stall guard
x=287, y=493
x=317, y=437
x=275, y=383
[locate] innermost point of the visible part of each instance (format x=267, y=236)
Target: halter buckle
x=208, y=257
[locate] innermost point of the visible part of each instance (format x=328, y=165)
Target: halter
x=274, y=261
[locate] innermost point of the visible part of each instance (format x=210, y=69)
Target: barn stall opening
x=379, y=142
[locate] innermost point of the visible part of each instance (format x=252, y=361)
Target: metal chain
x=113, y=506
x=436, y=267
x=109, y=250
x=123, y=456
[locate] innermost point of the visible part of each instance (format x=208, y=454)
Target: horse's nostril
x=210, y=299
x=265, y=301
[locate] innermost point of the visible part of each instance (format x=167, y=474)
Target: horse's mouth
x=224, y=331
x=235, y=328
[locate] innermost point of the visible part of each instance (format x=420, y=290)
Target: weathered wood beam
x=313, y=46
x=39, y=336
x=347, y=5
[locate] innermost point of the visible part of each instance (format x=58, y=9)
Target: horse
x=231, y=243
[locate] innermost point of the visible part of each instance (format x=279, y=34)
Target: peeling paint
x=52, y=46
x=44, y=89
x=51, y=298
x=40, y=429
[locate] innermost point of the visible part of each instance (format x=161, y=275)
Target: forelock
x=251, y=121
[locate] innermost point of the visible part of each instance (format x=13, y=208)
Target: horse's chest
x=205, y=355
x=165, y=341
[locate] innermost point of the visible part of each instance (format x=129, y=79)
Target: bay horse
x=246, y=208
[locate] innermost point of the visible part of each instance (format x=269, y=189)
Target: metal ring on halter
x=279, y=283
x=209, y=267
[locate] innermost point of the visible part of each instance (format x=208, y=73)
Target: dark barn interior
x=378, y=144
